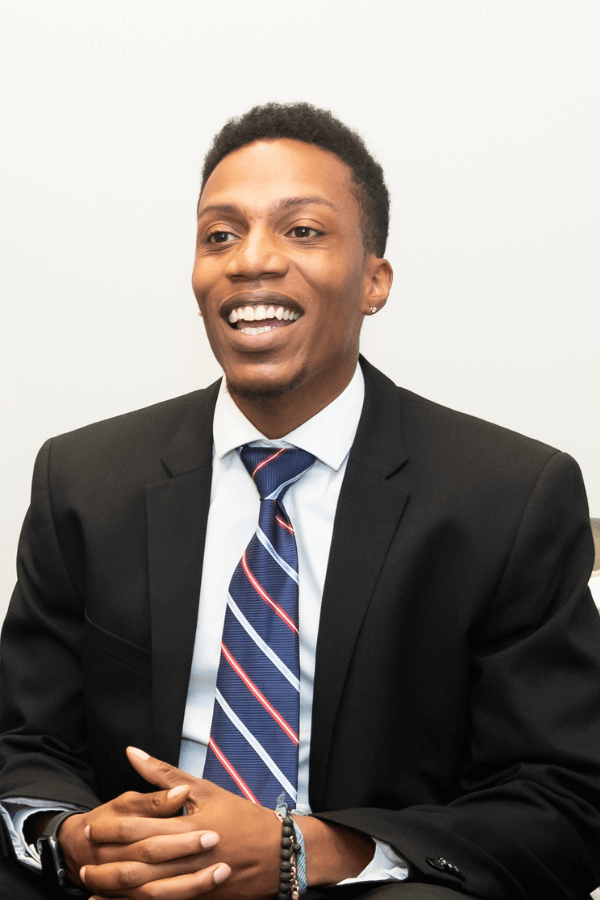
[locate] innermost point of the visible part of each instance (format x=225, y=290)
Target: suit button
x=436, y=863
x=442, y=865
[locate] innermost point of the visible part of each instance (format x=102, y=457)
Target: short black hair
x=311, y=125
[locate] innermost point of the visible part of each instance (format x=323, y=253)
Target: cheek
x=196, y=285
x=337, y=282
x=340, y=302
x=203, y=277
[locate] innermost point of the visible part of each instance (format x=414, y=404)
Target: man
x=449, y=674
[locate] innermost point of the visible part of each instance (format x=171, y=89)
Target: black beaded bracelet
x=288, y=858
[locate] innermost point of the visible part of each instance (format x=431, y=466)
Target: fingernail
x=82, y=874
x=210, y=839
x=221, y=873
x=139, y=754
x=86, y=832
x=178, y=791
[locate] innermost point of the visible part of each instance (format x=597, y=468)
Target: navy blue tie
x=253, y=748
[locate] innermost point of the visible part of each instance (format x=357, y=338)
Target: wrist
x=69, y=836
x=333, y=852
x=34, y=826
x=54, y=870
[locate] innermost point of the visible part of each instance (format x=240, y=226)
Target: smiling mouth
x=267, y=318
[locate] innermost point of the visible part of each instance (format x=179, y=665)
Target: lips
x=260, y=312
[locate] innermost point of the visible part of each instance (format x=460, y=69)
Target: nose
x=259, y=254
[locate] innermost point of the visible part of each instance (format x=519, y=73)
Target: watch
x=53, y=866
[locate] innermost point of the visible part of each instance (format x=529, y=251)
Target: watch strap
x=48, y=847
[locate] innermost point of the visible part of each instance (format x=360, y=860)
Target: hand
x=135, y=858
x=250, y=835
x=249, y=838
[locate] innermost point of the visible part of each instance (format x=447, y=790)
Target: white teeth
x=261, y=330
x=259, y=313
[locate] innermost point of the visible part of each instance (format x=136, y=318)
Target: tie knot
x=274, y=470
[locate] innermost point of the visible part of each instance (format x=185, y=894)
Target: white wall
x=484, y=114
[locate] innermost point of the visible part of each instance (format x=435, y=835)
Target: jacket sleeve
x=43, y=737
x=526, y=823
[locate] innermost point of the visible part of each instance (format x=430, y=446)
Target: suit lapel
x=177, y=512
x=369, y=509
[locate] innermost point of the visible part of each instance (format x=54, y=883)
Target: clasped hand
x=137, y=847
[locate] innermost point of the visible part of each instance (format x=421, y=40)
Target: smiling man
x=283, y=278
x=351, y=626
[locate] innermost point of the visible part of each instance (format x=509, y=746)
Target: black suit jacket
x=457, y=692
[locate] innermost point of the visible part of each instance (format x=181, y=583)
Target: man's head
x=282, y=276
x=307, y=123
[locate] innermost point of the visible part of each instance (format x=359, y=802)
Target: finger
x=157, y=772
x=158, y=849
x=158, y=804
x=120, y=876
x=184, y=887
x=165, y=881
x=130, y=829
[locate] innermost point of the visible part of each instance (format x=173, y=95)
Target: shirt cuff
x=386, y=865
x=15, y=812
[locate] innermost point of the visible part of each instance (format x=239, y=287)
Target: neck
x=277, y=414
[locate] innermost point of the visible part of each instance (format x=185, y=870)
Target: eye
x=220, y=237
x=303, y=232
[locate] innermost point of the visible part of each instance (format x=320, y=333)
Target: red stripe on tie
x=266, y=461
x=260, y=696
x=284, y=524
x=234, y=774
x=260, y=590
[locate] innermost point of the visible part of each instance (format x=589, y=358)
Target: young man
x=429, y=610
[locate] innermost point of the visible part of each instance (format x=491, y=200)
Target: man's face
x=280, y=274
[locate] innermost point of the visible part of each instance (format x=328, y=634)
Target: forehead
x=268, y=171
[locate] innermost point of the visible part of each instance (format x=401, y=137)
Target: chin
x=257, y=391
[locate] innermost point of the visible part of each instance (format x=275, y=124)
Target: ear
x=378, y=281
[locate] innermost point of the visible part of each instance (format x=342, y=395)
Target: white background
x=484, y=114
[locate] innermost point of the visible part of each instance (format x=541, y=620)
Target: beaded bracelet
x=290, y=850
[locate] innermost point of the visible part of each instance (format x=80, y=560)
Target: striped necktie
x=253, y=747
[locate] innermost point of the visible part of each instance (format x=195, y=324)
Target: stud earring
x=373, y=310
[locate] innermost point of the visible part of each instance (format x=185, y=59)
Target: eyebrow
x=233, y=209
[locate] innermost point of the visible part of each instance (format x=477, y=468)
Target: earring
x=373, y=310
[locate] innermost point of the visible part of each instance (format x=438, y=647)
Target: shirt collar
x=328, y=435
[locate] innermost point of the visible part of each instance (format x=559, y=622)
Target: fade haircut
x=306, y=123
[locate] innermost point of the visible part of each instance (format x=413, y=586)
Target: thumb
x=157, y=772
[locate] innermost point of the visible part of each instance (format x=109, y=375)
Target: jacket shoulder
x=130, y=448
x=461, y=427
x=163, y=415
x=442, y=443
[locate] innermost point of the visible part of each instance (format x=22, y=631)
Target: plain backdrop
x=484, y=114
